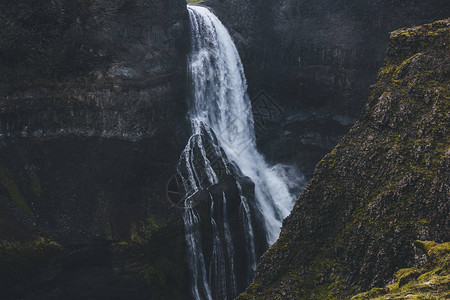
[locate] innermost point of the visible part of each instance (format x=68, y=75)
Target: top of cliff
x=383, y=187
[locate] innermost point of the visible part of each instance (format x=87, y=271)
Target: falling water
x=223, y=134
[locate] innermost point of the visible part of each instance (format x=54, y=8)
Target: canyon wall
x=92, y=122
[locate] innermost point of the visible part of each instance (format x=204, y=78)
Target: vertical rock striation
x=92, y=122
x=98, y=68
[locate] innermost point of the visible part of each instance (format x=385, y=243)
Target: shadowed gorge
x=151, y=149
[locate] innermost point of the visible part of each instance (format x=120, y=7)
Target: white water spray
x=221, y=117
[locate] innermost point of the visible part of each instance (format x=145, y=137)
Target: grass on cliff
x=430, y=282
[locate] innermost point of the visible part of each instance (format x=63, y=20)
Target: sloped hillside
x=383, y=187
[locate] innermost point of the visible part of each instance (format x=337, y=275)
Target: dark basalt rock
x=103, y=201
x=99, y=68
x=316, y=59
x=384, y=186
x=92, y=122
x=429, y=280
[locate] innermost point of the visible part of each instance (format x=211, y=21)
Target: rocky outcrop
x=429, y=281
x=92, y=122
x=384, y=186
x=316, y=60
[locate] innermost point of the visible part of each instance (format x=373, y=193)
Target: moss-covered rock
x=432, y=281
x=383, y=187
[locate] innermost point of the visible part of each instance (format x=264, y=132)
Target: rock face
x=383, y=187
x=102, y=68
x=429, y=281
x=316, y=60
x=92, y=122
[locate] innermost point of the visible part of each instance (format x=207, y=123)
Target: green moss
x=404, y=33
x=426, y=246
x=431, y=282
x=404, y=276
x=194, y=2
x=401, y=68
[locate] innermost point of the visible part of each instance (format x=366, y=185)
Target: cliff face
x=108, y=68
x=384, y=186
x=92, y=112
x=316, y=60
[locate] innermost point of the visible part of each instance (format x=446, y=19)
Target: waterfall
x=223, y=136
